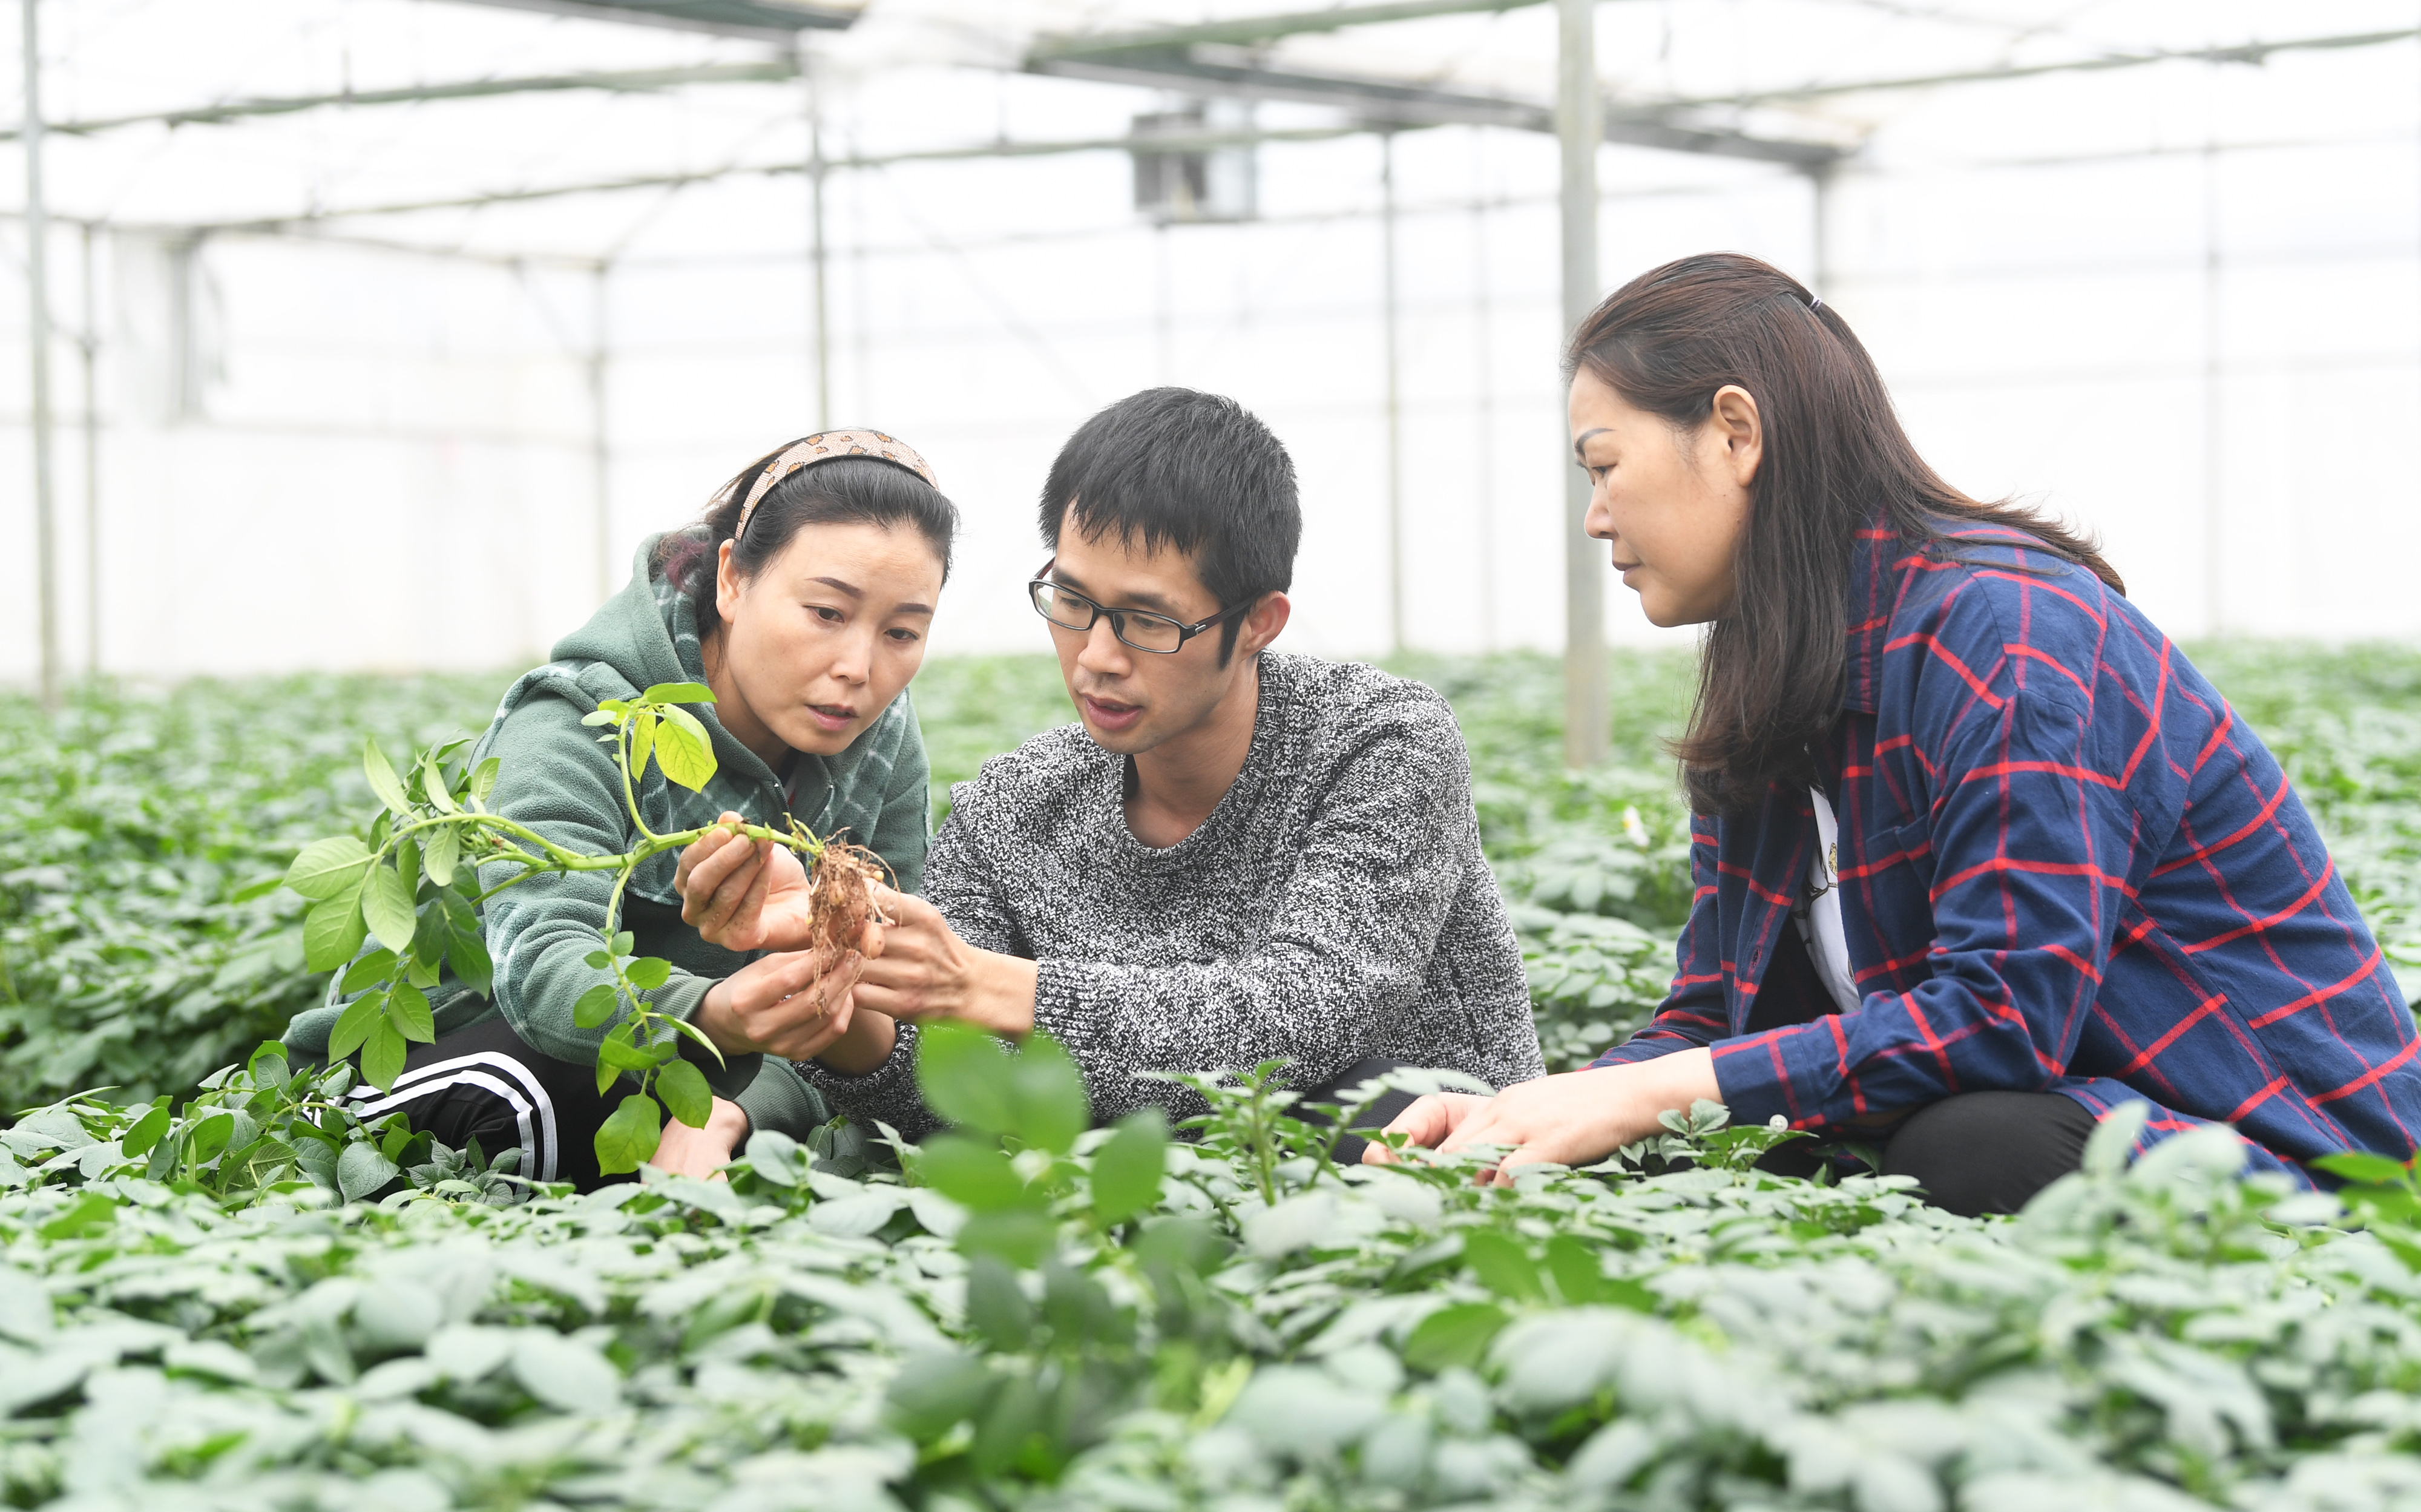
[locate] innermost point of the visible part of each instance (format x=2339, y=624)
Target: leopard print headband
x=826, y=446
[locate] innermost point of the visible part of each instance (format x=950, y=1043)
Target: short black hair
x=1199, y=471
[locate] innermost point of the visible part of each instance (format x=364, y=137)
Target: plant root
x=840, y=896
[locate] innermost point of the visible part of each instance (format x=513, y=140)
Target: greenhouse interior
x=1958, y=1056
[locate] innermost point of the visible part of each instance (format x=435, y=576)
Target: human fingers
x=871, y=944
x=695, y=852
x=1495, y=1120
x=744, y=926
x=718, y=881
x=1429, y=1120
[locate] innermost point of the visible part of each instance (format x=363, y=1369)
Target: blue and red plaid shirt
x=2065, y=866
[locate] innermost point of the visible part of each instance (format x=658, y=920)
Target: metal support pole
x=2215, y=523
x=90, y=346
x=1394, y=393
x=1483, y=371
x=816, y=168
x=38, y=324
x=600, y=457
x=1820, y=185
x=1580, y=126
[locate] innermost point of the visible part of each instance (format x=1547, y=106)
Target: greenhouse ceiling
x=563, y=127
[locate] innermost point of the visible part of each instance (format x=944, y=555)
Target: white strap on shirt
x=1819, y=922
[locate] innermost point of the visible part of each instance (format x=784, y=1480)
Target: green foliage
x=244, y=1294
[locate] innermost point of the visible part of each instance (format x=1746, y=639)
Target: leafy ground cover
x=236, y=1294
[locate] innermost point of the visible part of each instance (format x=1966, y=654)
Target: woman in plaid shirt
x=1979, y=855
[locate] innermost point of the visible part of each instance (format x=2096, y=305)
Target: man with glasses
x=1239, y=854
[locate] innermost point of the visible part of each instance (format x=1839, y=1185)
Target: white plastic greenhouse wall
x=2178, y=303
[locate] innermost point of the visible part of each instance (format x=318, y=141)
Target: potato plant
x=226, y=1290
x=417, y=885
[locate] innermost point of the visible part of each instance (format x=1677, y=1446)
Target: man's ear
x=1263, y=625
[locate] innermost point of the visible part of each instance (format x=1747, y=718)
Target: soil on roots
x=840, y=889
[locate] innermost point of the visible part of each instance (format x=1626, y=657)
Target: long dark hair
x=1772, y=673
x=846, y=490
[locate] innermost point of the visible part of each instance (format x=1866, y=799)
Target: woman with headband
x=803, y=598
x=1981, y=859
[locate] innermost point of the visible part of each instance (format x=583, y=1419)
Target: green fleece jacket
x=555, y=777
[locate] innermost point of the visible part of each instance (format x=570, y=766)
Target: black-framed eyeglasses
x=1138, y=628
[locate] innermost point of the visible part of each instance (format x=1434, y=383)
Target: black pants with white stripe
x=484, y=1082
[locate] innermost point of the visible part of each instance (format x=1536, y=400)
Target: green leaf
x=382, y=1054
x=2366, y=1168
x=384, y=782
x=685, y=1093
x=328, y=868
x=1503, y=1264
x=1019, y=1235
x=407, y=865
x=430, y=932
x=354, y=1025
x=332, y=932
x=642, y=727
x=91, y=1213
x=934, y=1393
x=210, y=1138
x=1048, y=1096
x=368, y=972
x=441, y=797
x=468, y=955
x=1127, y=1170
x=617, y=1051
x=362, y=1170
x=964, y=1076
x=445, y=849
x=407, y=1008
x=627, y=1136
x=997, y=1306
x=483, y=778
x=1455, y=1336
x=387, y=906
x=138, y=1140
x=975, y=1174
x=684, y=752
x=678, y=692
x=649, y=972
x=596, y=1006
x=624, y=944
x=1573, y=1261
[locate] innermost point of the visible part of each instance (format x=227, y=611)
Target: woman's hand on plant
x=792, y=1005
x=742, y=893
x=1577, y=1118
x=927, y=971
x=701, y=1152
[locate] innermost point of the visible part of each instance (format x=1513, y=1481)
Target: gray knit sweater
x=1334, y=905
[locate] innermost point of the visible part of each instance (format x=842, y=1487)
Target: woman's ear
x=1735, y=427
x=726, y=583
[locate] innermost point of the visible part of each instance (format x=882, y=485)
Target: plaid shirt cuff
x=1796, y=1072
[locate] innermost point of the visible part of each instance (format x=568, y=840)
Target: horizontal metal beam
x=1156, y=141
x=2246, y=53
x=1205, y=68
x=1247, y=29
x=759, y=20
x=638, y=81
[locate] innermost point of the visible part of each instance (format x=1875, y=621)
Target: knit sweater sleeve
x=1366, y=897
